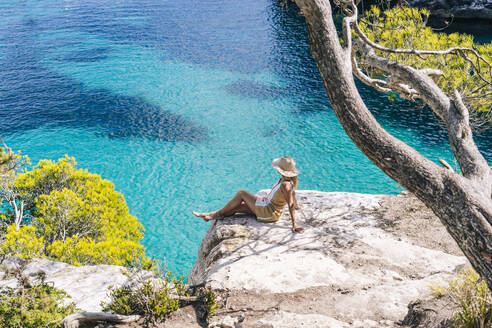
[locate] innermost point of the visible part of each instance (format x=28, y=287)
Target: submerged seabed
x=181, y=103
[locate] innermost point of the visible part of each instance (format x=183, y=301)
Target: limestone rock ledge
x=351, y=267
x=86, y=285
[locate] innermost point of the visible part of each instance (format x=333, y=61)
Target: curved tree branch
x=390, y=85
x=377, y=84
x=459, y=51
x=453, y=113
x=350, y=19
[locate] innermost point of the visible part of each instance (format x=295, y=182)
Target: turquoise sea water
x=182, y=103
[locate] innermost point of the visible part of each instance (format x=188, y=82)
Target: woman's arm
x=296, y=204
x=290, y=198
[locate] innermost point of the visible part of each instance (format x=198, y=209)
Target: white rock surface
x=87, y=285
x=369, y=275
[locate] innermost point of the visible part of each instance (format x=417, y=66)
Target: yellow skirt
x=266, y=213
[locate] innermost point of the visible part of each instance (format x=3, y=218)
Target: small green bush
x=75, y=217
x=153, y=299
x=211, y=299
x=22, y=243
x=33, y=307
x=471, y=297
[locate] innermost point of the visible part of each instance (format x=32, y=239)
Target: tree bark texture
x=463, y=203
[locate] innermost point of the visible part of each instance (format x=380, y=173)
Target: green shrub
x=38, y=306
x=83, y=251
x=471, y=297
x=11, y=200
x=22, y=243
x=211, y=301
x=79, y=216
x=156, y=298
x=153, y=299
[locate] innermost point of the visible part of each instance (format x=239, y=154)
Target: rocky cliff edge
x=361, y=261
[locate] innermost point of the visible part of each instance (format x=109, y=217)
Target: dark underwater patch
x=88, y=56
x=254, y=89
x=33, y=96
x=124, y=117
x=45, y=98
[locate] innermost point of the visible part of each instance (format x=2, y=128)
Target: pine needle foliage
x=406, y=28
x=23, y=243
x=76, y=217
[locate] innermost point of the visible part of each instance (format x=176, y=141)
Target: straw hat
x=286, y=166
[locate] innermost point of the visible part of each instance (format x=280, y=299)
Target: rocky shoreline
x=458, y=9
x=450, y=10
x=362, y=260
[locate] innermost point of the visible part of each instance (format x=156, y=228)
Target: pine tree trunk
x=463, y=203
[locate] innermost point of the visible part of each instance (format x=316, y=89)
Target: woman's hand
x=297, y=229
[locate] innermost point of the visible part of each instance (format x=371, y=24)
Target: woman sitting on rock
x=270, y=207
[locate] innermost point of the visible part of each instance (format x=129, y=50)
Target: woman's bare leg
x=233, y=206
x=243, y=208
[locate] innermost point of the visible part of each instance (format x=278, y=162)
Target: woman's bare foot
x=212, y=216
x=298, y=230
x=200, y=215
x=207, y=216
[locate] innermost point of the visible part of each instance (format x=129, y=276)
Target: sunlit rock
x=346, y=270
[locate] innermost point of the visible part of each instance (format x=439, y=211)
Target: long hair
x=292, y=179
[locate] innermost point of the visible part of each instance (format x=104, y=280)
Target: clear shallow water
x=181, y=103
